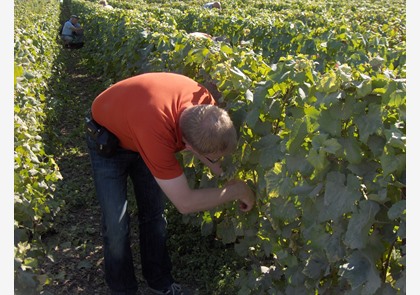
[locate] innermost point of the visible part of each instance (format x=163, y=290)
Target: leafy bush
x=36, y=172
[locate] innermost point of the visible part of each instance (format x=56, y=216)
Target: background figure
x=72, y=32
x=201, y=35
x=105, y=4
x=213, y=5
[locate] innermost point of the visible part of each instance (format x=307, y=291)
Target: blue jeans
x=110, y=179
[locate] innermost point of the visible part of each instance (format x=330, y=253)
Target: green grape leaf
x=363, y=88
x=269, y=150
x=392, y=163
x=334, y=247
x=340, y=195
x=376, y=144
x=395, y=138
x=397, y=210
x=360, y=271
x=369, y=123
x=298, y=134
x=352, y=150
x=315, y=267
x=317, y=235
x=317, y=159
x=329, y=124
x=283, y=210
x=359, y=225
x=226, y=231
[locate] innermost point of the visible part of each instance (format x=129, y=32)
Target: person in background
x=210, y=5
x=105, y=4
x=201, y=35
x=154, y=116
x=72, y=32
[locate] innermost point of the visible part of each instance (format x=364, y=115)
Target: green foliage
x=317, y=92
x=36, y=172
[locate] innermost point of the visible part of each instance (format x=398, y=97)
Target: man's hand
x=245, y=195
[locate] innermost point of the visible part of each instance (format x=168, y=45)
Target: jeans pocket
x=91, y=143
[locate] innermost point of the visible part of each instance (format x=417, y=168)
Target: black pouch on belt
x=106, y=141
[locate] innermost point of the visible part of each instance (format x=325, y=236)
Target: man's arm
x=188, y=200
x=76, y=28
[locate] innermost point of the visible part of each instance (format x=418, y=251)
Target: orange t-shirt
x=143, y=112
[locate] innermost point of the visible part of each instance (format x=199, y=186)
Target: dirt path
x=76, y=264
